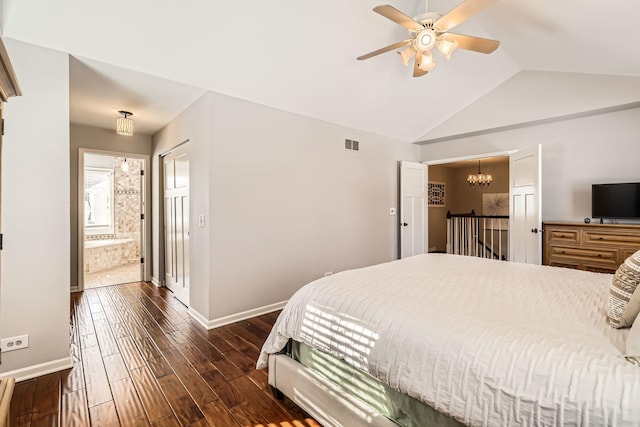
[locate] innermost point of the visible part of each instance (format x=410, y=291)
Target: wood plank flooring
x=141, y=360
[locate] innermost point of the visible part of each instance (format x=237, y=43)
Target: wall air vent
x=350, y=144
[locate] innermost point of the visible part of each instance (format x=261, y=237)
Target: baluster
x=500, y=240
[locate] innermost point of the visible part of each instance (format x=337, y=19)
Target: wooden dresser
x=593, y=247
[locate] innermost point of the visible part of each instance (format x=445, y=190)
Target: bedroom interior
x=276, y=203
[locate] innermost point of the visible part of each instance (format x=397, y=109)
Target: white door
x=413, y=208
x=525, y=227
x=176, y=222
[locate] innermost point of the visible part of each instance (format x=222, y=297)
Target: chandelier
x=479, y=179
x=124, y=125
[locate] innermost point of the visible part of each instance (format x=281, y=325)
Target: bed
x=463, y=340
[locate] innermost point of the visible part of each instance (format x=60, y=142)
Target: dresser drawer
x=571, y=255
x=626, y=253
x=593, y=247
x=605, y=237
x=599, y=268
x=562, y=235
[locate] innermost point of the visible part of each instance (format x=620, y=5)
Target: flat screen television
x=616, y=201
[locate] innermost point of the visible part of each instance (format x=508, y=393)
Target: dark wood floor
x=140, y=359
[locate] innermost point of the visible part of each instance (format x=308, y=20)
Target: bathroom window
x=98, y=201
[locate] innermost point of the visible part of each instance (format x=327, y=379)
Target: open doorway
x=111, y=219
x=480, y=209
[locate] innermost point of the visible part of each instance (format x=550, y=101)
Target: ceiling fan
x=431, y=30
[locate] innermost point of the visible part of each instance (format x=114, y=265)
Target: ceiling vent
x=350, y=144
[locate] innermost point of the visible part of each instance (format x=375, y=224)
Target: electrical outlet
x=14, y=343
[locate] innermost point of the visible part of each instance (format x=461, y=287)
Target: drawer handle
x=600, y=238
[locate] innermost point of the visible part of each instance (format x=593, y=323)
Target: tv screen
x=616, y=201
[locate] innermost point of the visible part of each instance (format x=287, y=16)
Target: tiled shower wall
x=127, y=204
x=127, y=221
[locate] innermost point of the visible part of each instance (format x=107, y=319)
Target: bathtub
x=109, y=253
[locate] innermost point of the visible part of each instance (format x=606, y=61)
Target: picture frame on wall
x=436, y=194
x=496, y=204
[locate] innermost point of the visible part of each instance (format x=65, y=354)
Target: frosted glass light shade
x=407, y=54
x=447, y=47
x=427, y=63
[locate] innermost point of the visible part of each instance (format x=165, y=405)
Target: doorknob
x=534, y=230
x=404, y=224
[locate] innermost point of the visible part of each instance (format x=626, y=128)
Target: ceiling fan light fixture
x=407, y=54
x=425, y=40
x=430, y=30
x=447, y=47
x=427, y=63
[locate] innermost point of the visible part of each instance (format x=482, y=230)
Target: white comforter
x=490, y=343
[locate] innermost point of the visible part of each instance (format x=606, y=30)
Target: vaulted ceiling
x=300, y=56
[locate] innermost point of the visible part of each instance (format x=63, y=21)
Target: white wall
x=284, y=201
x=35, y=210
x=575, y=154
x=191, y=125
x=99, y=139
x=289, y=203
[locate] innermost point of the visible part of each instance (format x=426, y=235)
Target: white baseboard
x=156, y=282
x=39, y=369
x=232, y=318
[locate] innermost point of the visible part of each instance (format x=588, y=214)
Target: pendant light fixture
x=124, y=125
x=479, y=179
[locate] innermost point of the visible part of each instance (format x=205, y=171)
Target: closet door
x=176, y=222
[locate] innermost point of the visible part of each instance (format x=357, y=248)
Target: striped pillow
x=624, y=297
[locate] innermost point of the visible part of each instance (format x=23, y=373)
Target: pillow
x=633, y=344
x=624, y=296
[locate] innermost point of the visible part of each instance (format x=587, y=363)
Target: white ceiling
x=97, y=91
x=300, y=57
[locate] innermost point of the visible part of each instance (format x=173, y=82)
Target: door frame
x=504, y=153
x=145, y=231
x=469, y=157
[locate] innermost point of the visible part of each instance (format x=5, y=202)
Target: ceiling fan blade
x=417, y=71
x=398, y=17
x=461, y=13
x=384, y=49
x=477, y=44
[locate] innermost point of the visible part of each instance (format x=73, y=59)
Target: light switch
x=201, y=220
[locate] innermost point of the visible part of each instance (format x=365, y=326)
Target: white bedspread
x=490, y=343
